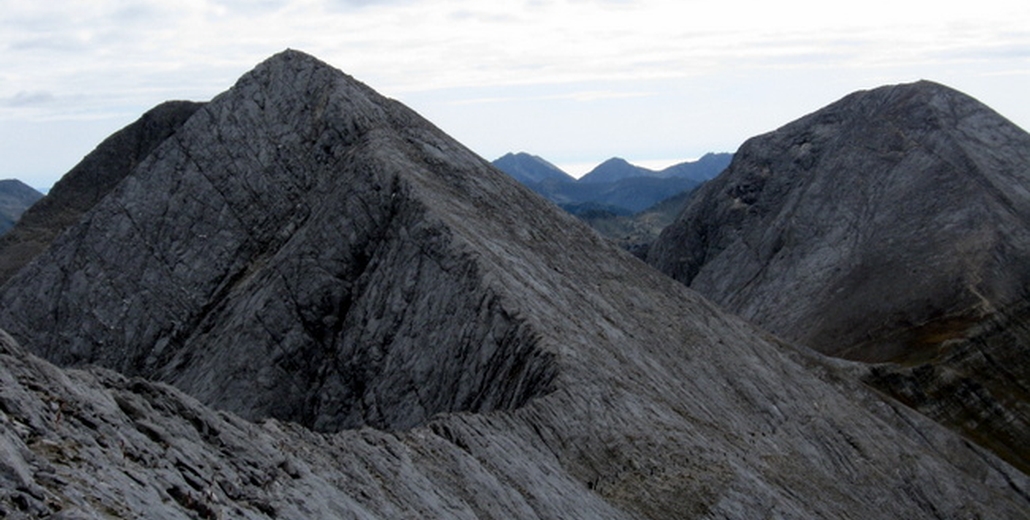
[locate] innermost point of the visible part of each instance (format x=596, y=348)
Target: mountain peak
x=531, y=169
x=823, y=230
x=615, y=169
x=296, y=169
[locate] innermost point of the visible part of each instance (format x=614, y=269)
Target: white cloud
x=23, y=99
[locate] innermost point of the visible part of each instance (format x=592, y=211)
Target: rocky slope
x=87, y=183
x=893, y=225
x=15, y=198
x=305, y=249
x=901, y=207
x=978, y=385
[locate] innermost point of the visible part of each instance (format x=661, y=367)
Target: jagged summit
x=305, y=249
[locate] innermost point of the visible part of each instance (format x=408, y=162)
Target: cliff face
x=850, y=228
x=449, y=345
x=978, y=384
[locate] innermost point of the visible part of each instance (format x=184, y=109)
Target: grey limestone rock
x=411, y=333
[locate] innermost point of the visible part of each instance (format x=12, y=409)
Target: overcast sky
x=574, y=81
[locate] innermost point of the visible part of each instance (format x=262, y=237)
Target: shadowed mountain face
x=978, y=384
x=306, y=249
x=15, y=198
x=859, y=228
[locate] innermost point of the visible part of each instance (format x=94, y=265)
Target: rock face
x=87, y=183
x=15, y=198
x=306, y=249
x=246, y=261
x=886, y=217
x=889, y=226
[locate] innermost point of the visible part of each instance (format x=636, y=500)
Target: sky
x=574, y=81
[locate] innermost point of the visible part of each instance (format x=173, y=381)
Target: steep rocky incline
x=305, y=249
x=849, y=229
x=88, y=182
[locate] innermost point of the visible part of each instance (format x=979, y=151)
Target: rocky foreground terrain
x=891, y=226
x=309, y=302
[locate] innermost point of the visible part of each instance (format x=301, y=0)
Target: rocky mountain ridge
x=305, y=249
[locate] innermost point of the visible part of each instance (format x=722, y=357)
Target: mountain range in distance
x=626, y=203
x=615, y=186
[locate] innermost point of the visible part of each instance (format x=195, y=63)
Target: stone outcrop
x=87, y=183
x=430, y=339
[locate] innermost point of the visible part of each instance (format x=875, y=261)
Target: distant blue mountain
x=615, y=169
x=15, y=198
x=615, y=184
x=528, y=169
